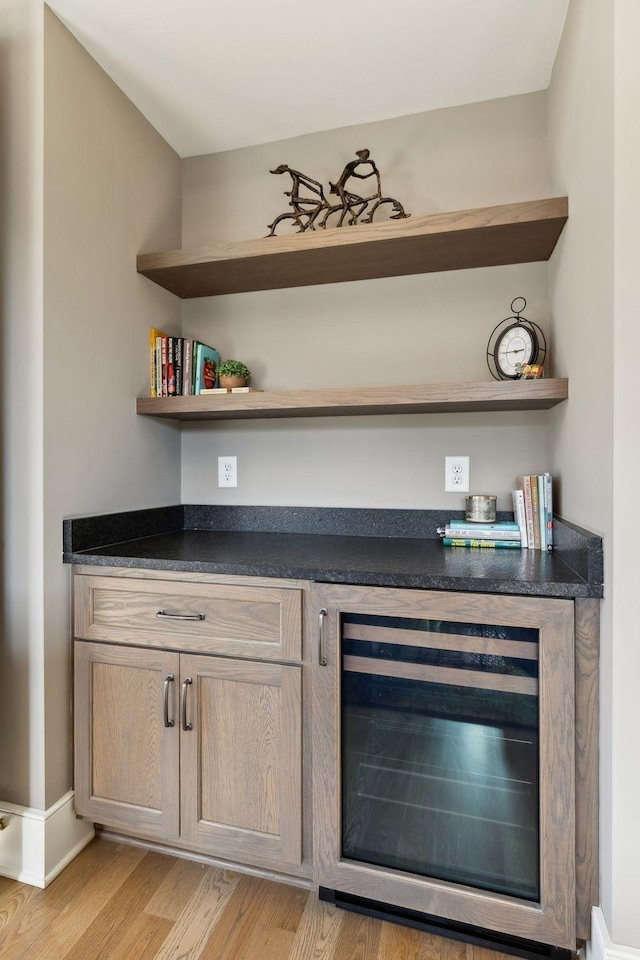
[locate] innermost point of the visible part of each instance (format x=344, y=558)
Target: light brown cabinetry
x=197, y=750
x=126, y=757
x=412, y=762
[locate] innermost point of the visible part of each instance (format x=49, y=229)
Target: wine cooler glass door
x=440, y=750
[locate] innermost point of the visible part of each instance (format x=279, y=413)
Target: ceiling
x=213, y=75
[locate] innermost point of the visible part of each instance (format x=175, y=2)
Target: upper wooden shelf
x=484, y=237
x=334, y=402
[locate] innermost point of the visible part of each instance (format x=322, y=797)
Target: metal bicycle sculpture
x=311, y=208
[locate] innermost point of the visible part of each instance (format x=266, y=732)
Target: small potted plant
x=233, y=373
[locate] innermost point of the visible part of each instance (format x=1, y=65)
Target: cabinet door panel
x=241, y=761
x=126, y=759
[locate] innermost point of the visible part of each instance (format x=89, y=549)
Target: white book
x=519, y=515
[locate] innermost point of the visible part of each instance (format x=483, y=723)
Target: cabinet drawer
x=241, y=621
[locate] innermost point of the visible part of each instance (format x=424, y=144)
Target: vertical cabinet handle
x=321, y=654
x=185, y=686
x=168, y=722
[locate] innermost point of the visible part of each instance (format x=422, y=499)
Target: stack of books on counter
x=531, y=527
x=465, y=533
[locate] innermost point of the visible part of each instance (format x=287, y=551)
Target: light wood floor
x=119, y=902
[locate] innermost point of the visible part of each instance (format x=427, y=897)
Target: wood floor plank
x=106, y=931
x=255, y=903
x=177, y=888
x=318, y=932
x=200, y=916
x=359, y=938
x=484, y=953
x=121, y=902
x=58, y=915
x=433, y=947
x=268, y=943
x=398, y=942
x=141, y=939
x=15, y=898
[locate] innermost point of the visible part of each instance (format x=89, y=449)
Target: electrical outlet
x=227, y=471
x=456, y=474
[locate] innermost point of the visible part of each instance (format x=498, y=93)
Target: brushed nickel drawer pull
x=321, y=654
x=167, y=680
x=179, y=616
x=185, y=723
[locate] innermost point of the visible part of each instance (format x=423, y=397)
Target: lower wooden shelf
x=360, y=401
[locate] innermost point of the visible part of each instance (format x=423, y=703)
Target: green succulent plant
x=234, y=368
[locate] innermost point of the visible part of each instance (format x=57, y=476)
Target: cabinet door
x=443, y=765
x=127, y=738
x=241, y=760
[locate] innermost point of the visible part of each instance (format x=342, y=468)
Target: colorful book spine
x=548, y=504
x=177, y=362
x=492, y=544
x=472, y=533
x=496, y=525
x=537, y=492
x=542, y=512
x=165, y=341
x=159, y=365
x=535, y=512
x=154, y=358
x=524, y=484
x=206, y=361
x=171, y=369
x=519, y=514
x=187, y=351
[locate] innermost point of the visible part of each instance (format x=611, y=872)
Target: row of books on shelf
x=180, y=366
x=531, y=527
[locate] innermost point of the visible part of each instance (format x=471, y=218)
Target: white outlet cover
x=456, y=474
x=227, y=471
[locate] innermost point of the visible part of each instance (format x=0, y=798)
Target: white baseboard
x=601, y=947
x=36, y=845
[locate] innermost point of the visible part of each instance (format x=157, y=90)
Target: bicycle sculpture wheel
x=310, y=206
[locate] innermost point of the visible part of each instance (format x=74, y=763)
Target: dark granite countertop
x=398, y=548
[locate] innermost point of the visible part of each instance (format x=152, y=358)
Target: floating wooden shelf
x=336, y=402
x=484, y=237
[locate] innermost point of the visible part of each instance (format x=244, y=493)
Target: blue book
x=206, y=361
x=493, y=544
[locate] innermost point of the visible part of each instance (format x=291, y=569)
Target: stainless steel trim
x=168, y=722
x=179, y=616
x=322, y=659
x=185, y=684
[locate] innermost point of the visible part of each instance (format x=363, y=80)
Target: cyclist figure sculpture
x=308, y=200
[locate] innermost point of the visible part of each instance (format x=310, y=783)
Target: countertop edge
x=577, y=550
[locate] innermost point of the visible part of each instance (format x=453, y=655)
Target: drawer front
x=241, y=621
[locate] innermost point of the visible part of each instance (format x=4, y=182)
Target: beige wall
x=86, y=184
x=595, y=152
x=111, y=188
x=625, y=666
x=402, y=330
x=21, y=641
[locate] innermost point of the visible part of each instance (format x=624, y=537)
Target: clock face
x=517, y=344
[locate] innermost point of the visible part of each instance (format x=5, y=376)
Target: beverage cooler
x=444, y=787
